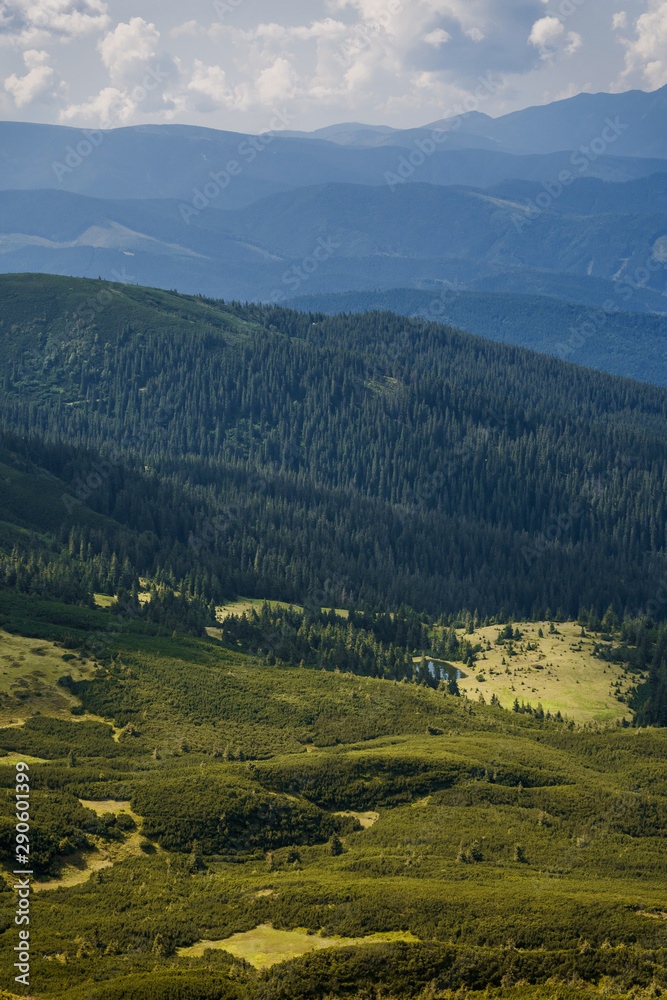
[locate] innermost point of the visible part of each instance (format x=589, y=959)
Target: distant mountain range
x=592, y=246
x=569, y=124
x=566, y=201
x=173, y=161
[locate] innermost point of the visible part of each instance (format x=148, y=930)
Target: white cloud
x=111, y=108
x=546, y=33
x=277, y=83
x=208, y=89
x=368, y=50
x=144, y=80
x=646, y=54
x=188, y=29
x=372, y=60
x=437, y=38
x=129, y=46
x=27, y=22
x=39, y=83
x=549, y=36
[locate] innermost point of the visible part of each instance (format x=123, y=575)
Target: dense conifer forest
x=245, y=449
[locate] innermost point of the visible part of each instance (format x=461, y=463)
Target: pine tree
x=335, y=845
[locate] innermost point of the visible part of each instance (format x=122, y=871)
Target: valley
x=333, y=531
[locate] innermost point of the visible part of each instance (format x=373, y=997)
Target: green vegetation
x=563, y=671
x=265, y=946
x=217, y=782
x=514, y=848
x=366, y=461
x=622, y=343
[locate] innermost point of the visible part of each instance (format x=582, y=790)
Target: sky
x=233, y=64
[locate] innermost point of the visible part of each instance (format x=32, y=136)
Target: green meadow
x=217, y=826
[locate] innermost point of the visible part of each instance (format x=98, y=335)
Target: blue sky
x=231, y=64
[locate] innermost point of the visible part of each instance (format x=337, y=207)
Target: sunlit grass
x=265, y=946
x=562, y=674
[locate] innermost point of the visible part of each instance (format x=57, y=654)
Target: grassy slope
x=29, y=672
x=265, y=946
x=561, y=673
x=588, y=872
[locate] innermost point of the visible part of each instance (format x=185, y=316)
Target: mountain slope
x=553, y=835
x=629, y=344
x=640, y=118
x=171, y=161
x=429, y=222
x=340, y=237
x=264, y=452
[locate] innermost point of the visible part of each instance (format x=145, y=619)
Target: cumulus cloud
x=376, y=55
x=546, y=32
x=38, y=84
x=277, y=82
x=187, y=29
x=27, y=22
x=399, y=60
x=646, y=53
x=437, y=38
x=549, y=36
x=129, y=46
x=110, y=108
x=208, y=89
x=144, y=79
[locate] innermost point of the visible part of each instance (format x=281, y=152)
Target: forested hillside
x=308, y=799
x=630, y=344
x=246, y=449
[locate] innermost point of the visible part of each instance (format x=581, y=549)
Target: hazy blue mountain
x=567, y=124
x=339, y=237
x=620, y=343
x=581, y=289
x=174, y=161
x=592, y=196
x=579, y=121
x=469, y=232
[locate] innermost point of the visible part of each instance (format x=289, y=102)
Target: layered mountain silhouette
x=567, y=201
